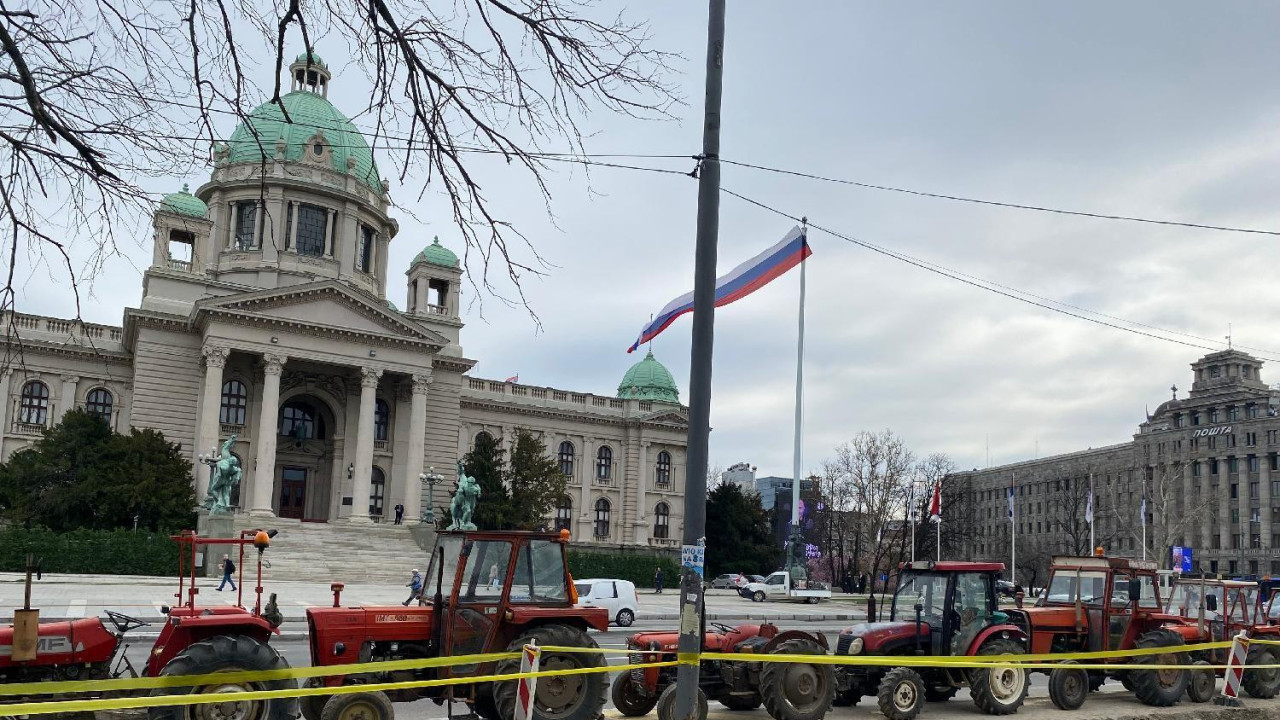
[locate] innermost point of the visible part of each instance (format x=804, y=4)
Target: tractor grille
x=637, y=673
x=842, y=645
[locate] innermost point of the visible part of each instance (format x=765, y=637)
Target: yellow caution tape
x=967, y=660
x=691, y=658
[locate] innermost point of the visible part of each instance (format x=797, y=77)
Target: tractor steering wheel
x=124, y=623
x=721, y=627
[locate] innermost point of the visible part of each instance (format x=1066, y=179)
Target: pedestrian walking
x=228, y=568
x=415, y=588
x=657, y=581
x=399, y=514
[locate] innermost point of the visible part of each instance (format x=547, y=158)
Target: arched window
x=566, y=458
x=485, y=436
x=35, y=403
x=235, y=398
x=377, y=491
x=661, y=518
x=603, y=511
x=98, y=403
x=381, y=419
x=663, y=476
x=564, y=513
x=604, y=463
x=300, y=421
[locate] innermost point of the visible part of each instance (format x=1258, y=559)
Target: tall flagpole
x=1092, y=511
x=796, y=448
x=913, y=518
x=1013, y=530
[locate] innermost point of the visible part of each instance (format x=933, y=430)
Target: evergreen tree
x=535, y=482
x=485, y=464
x=739, y=538
x=82, y=474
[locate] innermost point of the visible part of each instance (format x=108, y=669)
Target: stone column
x=1246, y=512
x=416, y=446
x=1264, y=502
x=291, y=241
x=259, y=222
x=642, y=484
x=215, y=359
x=581, y=471
x=264, y=471
x=330, y=231
x=1206, y=511
x=5, y=376
x=362, y=475
x=1224, y=512
x=67, y=397
x=420, y=292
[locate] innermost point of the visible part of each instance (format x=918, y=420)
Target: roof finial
x=435, y=240
x=184, y=189
x=1174, y=388
x=1228, y=336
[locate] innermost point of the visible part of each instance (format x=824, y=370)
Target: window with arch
x=300, y=420
x=98, y=403
x=566, y=458
x=235, y=398
x=377, y=491
x=381, y=419
x=34, y=409
x=564, y=513
x=663, y=468
x=661, y=521
x=603, y=512
x=604, y=463
x=482, y=436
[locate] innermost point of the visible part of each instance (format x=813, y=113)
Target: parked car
x=754, y=578
x=616, y=596
x=728, y=581
x=778, y=587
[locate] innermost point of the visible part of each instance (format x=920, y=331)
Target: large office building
x=265, y=315
x=1201, y=473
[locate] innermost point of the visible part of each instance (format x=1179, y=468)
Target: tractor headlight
x=855, y=647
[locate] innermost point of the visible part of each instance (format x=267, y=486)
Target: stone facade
x=1206, y=464
x=264, y=315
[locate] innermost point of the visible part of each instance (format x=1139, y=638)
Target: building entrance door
x=293, y=492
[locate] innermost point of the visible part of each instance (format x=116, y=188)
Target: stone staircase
x=339, y=552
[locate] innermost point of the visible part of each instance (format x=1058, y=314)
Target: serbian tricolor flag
x=737, y=284
x=935, y=506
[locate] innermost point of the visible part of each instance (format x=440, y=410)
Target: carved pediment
x=673, y=417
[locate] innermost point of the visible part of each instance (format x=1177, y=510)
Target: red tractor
x=1212, y=610
x=938, y=609
x=485, y=592
x=194, y=640
x=789, y=691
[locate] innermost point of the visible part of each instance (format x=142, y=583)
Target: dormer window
x=318, y=149
x=1215, y=371
x=312, y=230
x=364, y=253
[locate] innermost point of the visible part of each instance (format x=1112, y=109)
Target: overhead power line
x=1002, y=290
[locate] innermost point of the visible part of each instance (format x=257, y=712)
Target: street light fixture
x=430, y=477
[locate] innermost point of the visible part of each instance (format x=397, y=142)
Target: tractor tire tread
x=224, y=652
x=1146, y=683
x=980, y=680
x=884, y=693
x=773, y=675
x=593, y=684
x=625, y=704
x=333, y=709
x=1261, y=684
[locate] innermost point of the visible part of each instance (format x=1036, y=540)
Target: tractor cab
x=1214, y=605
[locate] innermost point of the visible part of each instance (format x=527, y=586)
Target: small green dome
x=315, y=59
x=309, y=114
x=392, y=306
x=649, y=380
x=437, y=254
x=184, y=203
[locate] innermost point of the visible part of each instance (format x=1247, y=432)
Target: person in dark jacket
x=399, y=513
x=228, y=569
x=657, y=581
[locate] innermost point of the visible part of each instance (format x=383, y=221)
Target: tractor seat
x=740, y=633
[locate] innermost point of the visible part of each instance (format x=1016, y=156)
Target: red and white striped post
x=527, y=686
x=1230, y=695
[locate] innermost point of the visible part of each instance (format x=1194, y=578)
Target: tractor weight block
x=26, y=635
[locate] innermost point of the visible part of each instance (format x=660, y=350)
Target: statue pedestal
x=214, y=526
x=424, y=534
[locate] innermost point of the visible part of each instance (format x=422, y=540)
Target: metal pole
x=1093, y=513
x=1013, y=533
x=799, y=426
x=704, y=295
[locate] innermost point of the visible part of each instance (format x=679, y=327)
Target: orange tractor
x=1214, y=610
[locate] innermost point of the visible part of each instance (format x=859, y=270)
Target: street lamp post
x=430, y=477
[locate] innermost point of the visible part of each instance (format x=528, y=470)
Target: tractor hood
x=876, y=635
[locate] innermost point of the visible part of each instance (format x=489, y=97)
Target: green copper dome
x=649, y=380
x=184, y=203
x=437, y=254
x=309, y=114
x=315, y=59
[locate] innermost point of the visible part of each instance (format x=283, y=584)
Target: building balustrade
x=231, y=429
x=22, y=428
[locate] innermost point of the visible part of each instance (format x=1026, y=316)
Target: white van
x=616, y=596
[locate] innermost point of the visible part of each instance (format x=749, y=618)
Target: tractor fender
x=1013, y=632
x=794, y=635
x=189, y=630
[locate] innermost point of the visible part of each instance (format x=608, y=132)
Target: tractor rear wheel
x=901, y=694
x=227, y=653
x=1202, y=684
x=628, y=698
x=359, y=706
x=1159, y=688
x=999, y=689
x=797, y=690
x=667, y=704
x=1068, y=687
x=557, y=697
x=1263, y=683
x=312, y=705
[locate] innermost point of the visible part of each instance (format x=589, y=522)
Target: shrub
x=637, y=568
x=90, y=552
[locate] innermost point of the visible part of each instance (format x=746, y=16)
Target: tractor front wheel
x=1263, y=683
x=667, y=704
x=1068, y=687
x=1202, y=684
x=557, y=697
x=999, y=689
x=1159, y=688
x=901, y=694
x=359, y=706
x=227, y=653
x=629, y=699
x=797, y=690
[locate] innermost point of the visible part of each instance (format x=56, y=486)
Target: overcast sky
x=1162, y=109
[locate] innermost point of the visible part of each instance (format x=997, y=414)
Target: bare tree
x=1175, y=509
x=878, y=468
x=99, y=95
